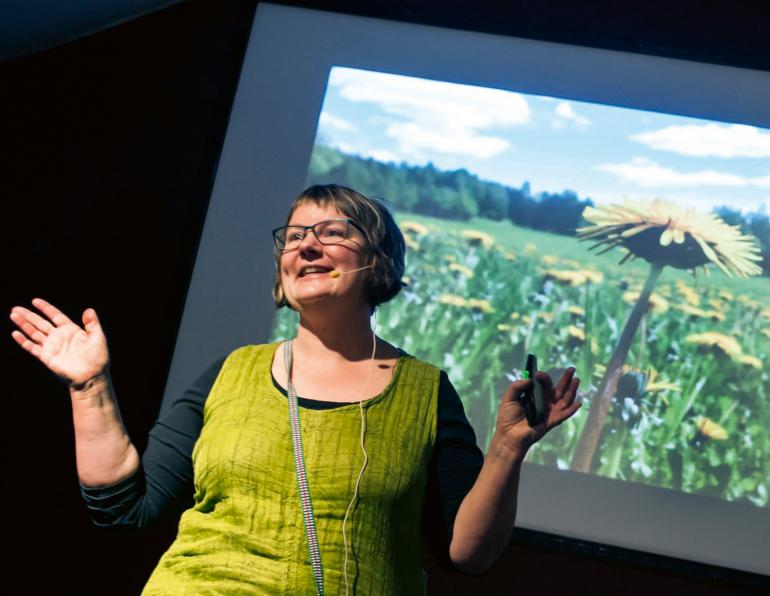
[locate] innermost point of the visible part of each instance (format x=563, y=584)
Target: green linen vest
x=245, y=532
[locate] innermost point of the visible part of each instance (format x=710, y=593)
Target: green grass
x=512, y=237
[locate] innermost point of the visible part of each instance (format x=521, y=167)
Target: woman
x=332, y=494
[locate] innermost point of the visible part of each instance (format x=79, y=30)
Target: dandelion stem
x=601, y=402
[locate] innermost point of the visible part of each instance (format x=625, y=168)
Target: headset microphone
x=336, y=273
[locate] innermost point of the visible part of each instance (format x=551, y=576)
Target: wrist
x=97, y=385
x=504, y=449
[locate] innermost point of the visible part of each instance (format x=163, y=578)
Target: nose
x=309, y=244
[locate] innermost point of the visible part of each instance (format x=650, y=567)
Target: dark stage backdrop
x=109, y=146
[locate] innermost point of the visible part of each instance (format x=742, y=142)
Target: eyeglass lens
x=327, y=232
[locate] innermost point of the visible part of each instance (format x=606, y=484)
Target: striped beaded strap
x=299, y=464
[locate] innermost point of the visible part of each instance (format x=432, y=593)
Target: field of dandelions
x=692, y=408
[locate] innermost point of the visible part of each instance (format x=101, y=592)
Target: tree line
x=460, y=195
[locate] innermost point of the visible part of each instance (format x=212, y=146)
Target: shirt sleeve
x=452, y=471
x=163, y=484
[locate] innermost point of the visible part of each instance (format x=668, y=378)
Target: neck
x=348, y=335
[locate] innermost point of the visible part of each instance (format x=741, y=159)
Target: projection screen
x=489, y=149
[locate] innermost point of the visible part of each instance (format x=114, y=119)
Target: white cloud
x=328, y=120
x=647, y=173
x=709, y=140
x=761, y=181
x=564, y=110
x=345, y=147
x=382, y=155
x=429, y=118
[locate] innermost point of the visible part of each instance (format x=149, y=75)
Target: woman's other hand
x=513, y=432
x=76, y=354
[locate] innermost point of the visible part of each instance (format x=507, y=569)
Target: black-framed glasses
x=331, y=231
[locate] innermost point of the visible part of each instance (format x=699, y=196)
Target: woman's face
x=305, y=270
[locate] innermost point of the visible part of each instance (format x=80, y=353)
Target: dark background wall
x=109, y=147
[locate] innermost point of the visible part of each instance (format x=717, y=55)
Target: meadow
x=691, y=411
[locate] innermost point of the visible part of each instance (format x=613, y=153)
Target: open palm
x=76, y=354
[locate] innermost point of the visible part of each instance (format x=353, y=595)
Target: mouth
x=314, y=270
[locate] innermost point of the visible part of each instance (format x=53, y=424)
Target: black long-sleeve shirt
x=163, y=484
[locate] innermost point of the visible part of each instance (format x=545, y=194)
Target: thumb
x=91, y=321
x=515, y=390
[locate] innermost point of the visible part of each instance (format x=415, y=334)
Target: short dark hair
x=384, y=250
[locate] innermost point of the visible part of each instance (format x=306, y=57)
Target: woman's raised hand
x=512, y=428
x=76, y=354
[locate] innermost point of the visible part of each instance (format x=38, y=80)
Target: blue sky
x=603, y=152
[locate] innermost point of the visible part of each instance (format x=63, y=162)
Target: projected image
x=632, y=245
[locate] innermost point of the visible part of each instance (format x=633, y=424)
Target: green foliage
x=455, y=195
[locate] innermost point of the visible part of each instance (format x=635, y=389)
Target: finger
x=572, y=391
x=515, y=389
x=91, y=321
x=29, y=330
x=49, y=310
x=544, y=380
x=25, y=343
x=563, y=414
x=569, y=396
x=564, y=382
x=32, y=317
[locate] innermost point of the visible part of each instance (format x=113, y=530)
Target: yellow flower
x=688, y=293
x=480, y=305
x=573, y=278
x=714, y=315
x=595, y=277
x=476, y=238
x=466, y=271
x=718, y=304
x=749, y=361
x=664, y=233
x=658, y=304
x=452, y=299
x=576, y=310
x=514, y=316
x=411, y=243
x=510, y=255
x=766, y=332
x=413, y=227
x=550, y=259
x=709, y=428
x=765, y=313
x=712, y=339
x=450, y=258
x=526, y=319
x=653, y=385
x=530, y=249
x=576, y=332
x=504, y=328
x=546, y=316
x=406, y=280
x=726, y=295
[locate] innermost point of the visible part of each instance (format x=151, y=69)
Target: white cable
x=366, y=456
